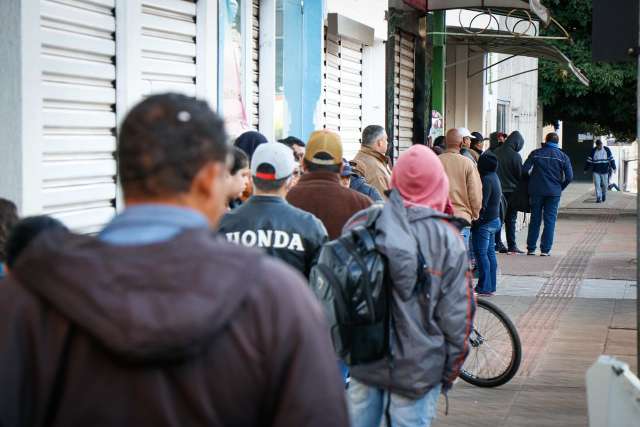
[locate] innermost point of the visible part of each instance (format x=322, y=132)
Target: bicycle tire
x=514, y=364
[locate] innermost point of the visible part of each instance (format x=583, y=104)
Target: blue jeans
x=483, y=246
x=367, y=406
x=542, y=207
x=601, y=182
x=466, y=234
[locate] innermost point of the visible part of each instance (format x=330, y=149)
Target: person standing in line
x=465, y=187
x=485, y=227
x=319, y=190
x=465, y=149
x=510, y=174
x=157, y=316
x=248, y=142
x=267, y=221
x=357, y=182
x=372, y=158
x=602, y=164
x=296, y=145
x=239, y=177
x=431, y=338
x=477, y=143
x=551, y=172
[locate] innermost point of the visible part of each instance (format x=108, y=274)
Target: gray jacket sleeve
x=455, y=312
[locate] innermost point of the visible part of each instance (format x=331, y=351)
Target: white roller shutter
x=255, y=65
x=79, y=118
x=168, y=46
x=342, y=91
x=404, y=85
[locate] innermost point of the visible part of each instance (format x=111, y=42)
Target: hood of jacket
x=156, y=302
x=515, y=140
x=487, y=163
x=493, y=141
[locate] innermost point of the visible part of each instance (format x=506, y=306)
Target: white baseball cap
x=464, y=132
x=276, y=155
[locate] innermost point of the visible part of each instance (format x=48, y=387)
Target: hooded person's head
x=173, y=150
x=420, y=179
x=249, y=141
x=487, y=163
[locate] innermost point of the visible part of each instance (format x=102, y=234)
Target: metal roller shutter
x=255, y=65
x=403, y=93
x=79, y=120
x=168, y=46
x=342, y=91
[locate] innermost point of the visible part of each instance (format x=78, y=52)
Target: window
x=501, y=122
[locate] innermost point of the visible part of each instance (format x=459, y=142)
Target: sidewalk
x=569, y=308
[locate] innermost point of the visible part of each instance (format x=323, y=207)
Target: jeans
x=510, y=219
x=368, y=405
x=601, y=182
x=542, y=207
x=483, y=236
x=466, y=234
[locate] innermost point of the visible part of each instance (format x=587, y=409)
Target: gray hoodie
x=430, y=326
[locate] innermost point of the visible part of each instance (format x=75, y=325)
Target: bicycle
x=495, y=349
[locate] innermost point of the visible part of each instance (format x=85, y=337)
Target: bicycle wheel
x=495, y=349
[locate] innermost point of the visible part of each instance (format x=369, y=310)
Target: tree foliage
x=609, y=103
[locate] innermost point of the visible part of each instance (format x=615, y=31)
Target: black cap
x=477, y=137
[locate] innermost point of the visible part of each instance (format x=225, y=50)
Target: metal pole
x=438, y=63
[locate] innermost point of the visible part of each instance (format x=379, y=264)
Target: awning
x=499, y=42
x=533, y=5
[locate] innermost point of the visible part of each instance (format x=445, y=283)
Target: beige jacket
x=375, y=169
x=465, y=187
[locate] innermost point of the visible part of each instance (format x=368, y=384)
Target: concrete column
x=267, y=68
x=476, y=100
x=20, y=104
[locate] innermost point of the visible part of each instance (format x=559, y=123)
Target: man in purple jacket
x=157, y=322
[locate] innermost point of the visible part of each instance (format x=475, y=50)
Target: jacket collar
x=320, y=176
x=452, y=151
x=373, y=153
x=261, y=199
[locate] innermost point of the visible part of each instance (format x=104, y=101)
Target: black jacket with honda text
x=281, y=230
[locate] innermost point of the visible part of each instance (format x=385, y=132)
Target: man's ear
x=207, y=176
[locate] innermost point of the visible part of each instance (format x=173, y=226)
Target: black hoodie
x=510, y=161
x=192, y=332
x=491, y=189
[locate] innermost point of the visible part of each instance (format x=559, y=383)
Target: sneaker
x=516, y=250
x=501, y=249
x=531, y=252
x=485, y=294
x=545, y=254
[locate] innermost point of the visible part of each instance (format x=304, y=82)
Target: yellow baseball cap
x=324, y=148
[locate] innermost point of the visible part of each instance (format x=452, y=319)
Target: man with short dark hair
x=157, y=321
x=267, y=221
x=602, y=164
x=319, y=190
x=296, y=145
x=372, y=158
x=465, y=148
x=550, y=170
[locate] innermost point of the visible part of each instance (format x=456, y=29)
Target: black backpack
x=351, y=281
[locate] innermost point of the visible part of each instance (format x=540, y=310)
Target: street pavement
x=569, y=309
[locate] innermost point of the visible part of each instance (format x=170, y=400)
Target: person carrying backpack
x=401, y=365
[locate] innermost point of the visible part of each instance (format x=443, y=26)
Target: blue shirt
x=150, y=223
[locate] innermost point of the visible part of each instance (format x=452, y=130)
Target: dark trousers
x=543, y=209
x=510, y=219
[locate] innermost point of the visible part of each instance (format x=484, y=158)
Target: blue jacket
x=600, y=166
x=359, y=184
x=550, y=170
